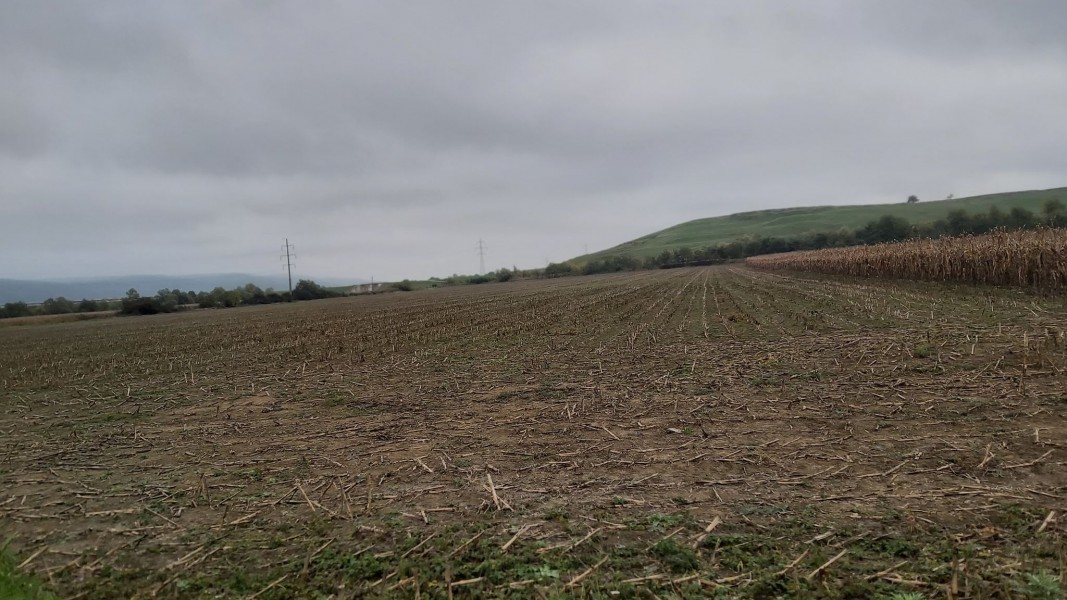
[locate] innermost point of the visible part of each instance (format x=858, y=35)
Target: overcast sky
x=385, y=138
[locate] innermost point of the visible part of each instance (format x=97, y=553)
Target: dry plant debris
x=683, y=433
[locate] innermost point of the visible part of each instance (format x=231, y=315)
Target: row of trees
x=168, y=300
x=54, y=306
x=500, y=276
x=885, y=229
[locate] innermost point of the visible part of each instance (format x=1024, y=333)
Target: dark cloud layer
x=385, y=138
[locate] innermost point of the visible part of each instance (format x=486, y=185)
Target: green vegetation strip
x=16, y=585
x=795, y=555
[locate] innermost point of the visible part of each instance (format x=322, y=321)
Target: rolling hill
x=788, y=222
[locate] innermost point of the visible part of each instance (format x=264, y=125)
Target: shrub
x=560, y=270
x=307, y=289
x=15, y=309
x=57, y=306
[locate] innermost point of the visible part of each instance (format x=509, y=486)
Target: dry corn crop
x=1035, y=259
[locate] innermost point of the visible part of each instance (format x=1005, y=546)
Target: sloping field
x=684, y=433
x=788, y=222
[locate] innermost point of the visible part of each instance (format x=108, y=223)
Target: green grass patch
x=1040, y=586
x=676, y=557
x=16, y=585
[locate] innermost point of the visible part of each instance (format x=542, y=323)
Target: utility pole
x=481, y=255
x=289, y=256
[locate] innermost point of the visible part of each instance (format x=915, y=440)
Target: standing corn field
x=1035, y=259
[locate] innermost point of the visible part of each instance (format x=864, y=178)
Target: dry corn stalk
x=1035, y=259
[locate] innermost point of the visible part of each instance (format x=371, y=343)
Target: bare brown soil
x=682, y=433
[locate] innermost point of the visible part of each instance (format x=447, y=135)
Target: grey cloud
x=388, y=137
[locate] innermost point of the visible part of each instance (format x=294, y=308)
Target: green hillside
x=788, y=222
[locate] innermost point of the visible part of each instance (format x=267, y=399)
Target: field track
x=686, y=432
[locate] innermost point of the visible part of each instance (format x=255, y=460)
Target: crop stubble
x=691, y=429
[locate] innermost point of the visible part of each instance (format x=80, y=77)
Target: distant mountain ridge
x=35, y=291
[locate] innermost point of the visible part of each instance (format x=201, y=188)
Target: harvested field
x=678, y=433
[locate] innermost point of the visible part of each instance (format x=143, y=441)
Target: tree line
x=168, y=300
x=54, y=306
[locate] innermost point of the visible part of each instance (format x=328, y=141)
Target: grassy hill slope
x=787, y=222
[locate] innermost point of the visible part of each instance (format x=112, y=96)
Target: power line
x=289, y=256
x=480, y=246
